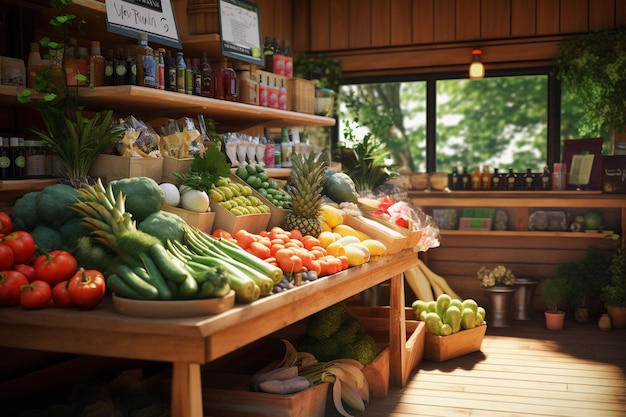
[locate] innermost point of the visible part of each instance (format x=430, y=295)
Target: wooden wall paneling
x=381, y=23
x=523, y=18
x=467, y=20
x=599, y=19
x=279, y=13
x=620, y=13
x=301, y=26
x=401, y=12
x=444, y=20
x=574, y=16
x=360, y=32
x=547, y=17
x=320, y=25
x=423, y=18
x=339, y=25
x=495, y=20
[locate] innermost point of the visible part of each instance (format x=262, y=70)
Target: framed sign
x=240, y=30
x=154, y=17
x=584, y=163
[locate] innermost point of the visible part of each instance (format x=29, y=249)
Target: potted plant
x=75, y=139
x=554, y=291
x=614, y=293
x=592, y=68
x=499, y=283
x=326, y=72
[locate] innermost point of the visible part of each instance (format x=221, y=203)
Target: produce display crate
x=227, y=395
x=171, y=165
x=203, y=221
x=277, y=214
x=227, y=221
x=442, y=348
x=114, y=167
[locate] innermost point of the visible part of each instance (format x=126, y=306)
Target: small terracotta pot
x=554, y=319
x=618, y=316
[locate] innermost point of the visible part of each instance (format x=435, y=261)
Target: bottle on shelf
x=35, y=153
x=278, y=160
x=282, y=96
x=279, y=58
x=544, y=183
x=180, y=72
x=230, y=83
x=18, y=158
x=263, y=92
x=268, y=54
x=272, y=94
x=496, y=180
x=205, y=74
x=82, y=66
x=288, y=59
x=466, y=180
x=96, y=65
x=5, y=159
x=131, y=67
x=146, y=64
x=69, y=63
x=529, y=180
x=109, y=68
x=170, y=71
x=510, y=181
x=35, y=64
x=197, y=77
x=161, y=68
x=120, y=67
x=188, y=76
x=455, y=179
x=485, y=179
x=286, y=148
x=476, y=179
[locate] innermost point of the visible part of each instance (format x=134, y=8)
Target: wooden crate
x=301, y=95
x=227, y=221
x=114, y=167
x=442, y=348
x=203, y=221
x=277, y=215
x=171, y=165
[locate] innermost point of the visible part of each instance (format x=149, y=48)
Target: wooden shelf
x=27, y=185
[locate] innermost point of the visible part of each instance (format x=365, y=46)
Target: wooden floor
x=522, y=370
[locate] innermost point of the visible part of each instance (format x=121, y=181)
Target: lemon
x=336, y=249
x=357, y=254
x=332, y=215
x=326, y=238
x=376, y=247
x=345, y=230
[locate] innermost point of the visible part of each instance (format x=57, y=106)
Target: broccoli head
x=348, y=330
x=164, y=225
x=54, y=202
x=324, y=350
x=46, y=238
x=327, y=322
x=24, y=214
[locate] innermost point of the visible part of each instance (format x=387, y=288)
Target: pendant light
x=476, y=69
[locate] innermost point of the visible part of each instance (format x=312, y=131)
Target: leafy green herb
x=205, y=170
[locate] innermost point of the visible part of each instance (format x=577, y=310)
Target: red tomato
x=6, y=257
x=56, y=266
x=35, y=295
x=6, y=226
x=87, y=287
x=10, y=283
x=61, y=296
x=27, y=270
x=22, y=245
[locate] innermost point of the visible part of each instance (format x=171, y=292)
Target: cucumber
x=188, y=288
x=172, y=268
x=120, y=288
x=155, y=277
x=145, y=290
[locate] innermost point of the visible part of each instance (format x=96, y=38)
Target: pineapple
x=305, y=190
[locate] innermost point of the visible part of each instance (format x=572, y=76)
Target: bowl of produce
x=438, y=181
x=173, y=308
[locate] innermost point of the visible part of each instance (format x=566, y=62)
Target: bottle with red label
x=262, y=92
x=279, y=58
x=272, y=94
x=282, y=96
x=288, y=59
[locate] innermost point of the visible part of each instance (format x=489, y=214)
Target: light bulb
x=476, y=69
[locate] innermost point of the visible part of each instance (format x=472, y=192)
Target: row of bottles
x=485, y=180
x=277, y=56
x=271, y=95
x=24, y=159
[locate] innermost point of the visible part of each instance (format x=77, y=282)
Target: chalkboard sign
x=154, y=17
x=240, y=31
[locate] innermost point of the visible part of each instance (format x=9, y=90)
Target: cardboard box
x=442, y=348
x=226, y=395
x=171, y=165
x=227, y=221
x=614, y=174
x=114, y=167
x=203, y=221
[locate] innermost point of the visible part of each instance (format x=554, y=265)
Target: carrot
x=295, y=234
x=259, y=250
x=317, y=254
x=294, y=244
x=222, y=233
x=344, y=262
x=315, y=266
x=275, y=247
x=288, y=261
x=310, y=242
x=244, y=238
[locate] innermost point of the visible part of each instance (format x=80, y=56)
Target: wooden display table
x=189, y=343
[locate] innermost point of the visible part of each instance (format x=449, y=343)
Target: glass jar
x=35, y=153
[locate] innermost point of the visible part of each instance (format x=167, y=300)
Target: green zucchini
x=120, y=288
x=155, y=277
x=172, y=268
x=145, y=290
x=188, y=288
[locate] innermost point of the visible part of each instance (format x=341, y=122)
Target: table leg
x=186, y=390
x=398, y=356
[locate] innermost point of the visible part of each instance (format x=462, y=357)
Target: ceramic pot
x=618, y=316
x=500, y=305
x=554, y=320
x=605, y=322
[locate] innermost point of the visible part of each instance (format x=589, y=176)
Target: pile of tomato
x=36, y=280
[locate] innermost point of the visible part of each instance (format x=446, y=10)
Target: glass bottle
x=35, y=64
x=454, y=179
x=466, y=179
x=230, y=83
x=286, y=148
x=282, y=96
x=5, y=159
x=18, y=158
x=120, y=67
x=262, y=92
x=496, y=180
x=170, y=71
x=180, y=72
x=545, y=179
x=131, y=67
x=161, y=68
x=272, y=94
x=268, y=54
x=288, y=59
x=109, y=68
x=510, y=181
x=69, y=63
x=146, y=65
x=476, y=179
x=188, y=76
x=279, y=59
x=205, y=73
x=96, y=65
x=485, y=180
x=35, y=159
x=197, y=77
x=529, y=180
x=82, y=66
